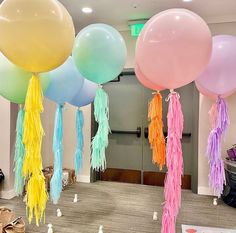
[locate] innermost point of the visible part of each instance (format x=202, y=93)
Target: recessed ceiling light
x=87, y=10
x=187, y=0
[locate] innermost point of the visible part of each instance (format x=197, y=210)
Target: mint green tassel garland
x=80, y=141
x=19, y=153
x=100, y=141
x=56, y=181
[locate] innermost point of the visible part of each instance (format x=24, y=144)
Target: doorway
x=129, y=158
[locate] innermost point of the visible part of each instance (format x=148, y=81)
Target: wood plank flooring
x=124, y=208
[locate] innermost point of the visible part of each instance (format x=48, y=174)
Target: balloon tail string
x=36, y=193
x=174, y=161
x=219, y=127
x=100, y=141
x=56, y=181
x=78, y=160
x=155, y=131
x=19, y=153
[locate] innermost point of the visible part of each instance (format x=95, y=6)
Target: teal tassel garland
x=19, y=154
x=80, y=141
x=56, y=181
x=100, y=141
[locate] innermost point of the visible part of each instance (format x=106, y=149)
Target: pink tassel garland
x=174, y=159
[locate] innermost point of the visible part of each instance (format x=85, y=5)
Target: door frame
x=96, y=175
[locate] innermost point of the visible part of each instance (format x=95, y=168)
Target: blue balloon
x=85, y=95
x=65, y=82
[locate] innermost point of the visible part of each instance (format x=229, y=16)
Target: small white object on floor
x=155, y=216
x=59, y=213
x=76, y=198
x=100, y=229
x=50, y=230
x=215, y=201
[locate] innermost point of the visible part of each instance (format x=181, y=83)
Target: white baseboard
x=7, y=194
x=202, y=190
x=83, y=179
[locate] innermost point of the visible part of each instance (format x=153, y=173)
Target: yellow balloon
x=36, y=35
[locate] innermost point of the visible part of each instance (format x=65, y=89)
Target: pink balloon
x=219, y=78
x=144, y=81
x=211, y=95
x=173, y=48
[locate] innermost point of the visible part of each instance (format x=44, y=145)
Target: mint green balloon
x=14, y=81
x=99, y=53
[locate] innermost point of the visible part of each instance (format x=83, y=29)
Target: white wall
x=5, y=141
x=7, y=138
x=130, y=44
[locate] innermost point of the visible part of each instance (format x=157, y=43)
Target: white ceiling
x=118, y=12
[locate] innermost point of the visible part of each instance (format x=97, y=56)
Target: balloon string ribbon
x=19, y=153
x=174, y=161
x=36, y=194
x=155, y=131
x=78, y=160
x=100, y=141
x=220, y=121
x=56, y=181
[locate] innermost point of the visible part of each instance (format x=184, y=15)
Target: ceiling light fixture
x=87, y=10
x=187, y=0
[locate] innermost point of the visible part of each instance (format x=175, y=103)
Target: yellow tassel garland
x=155, y=131
x=32, y=168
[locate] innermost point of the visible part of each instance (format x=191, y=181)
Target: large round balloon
x=14, y=81
x=86, y=95
x=173, y=48
x=65, y=82
x=219, y=78
x=99, y=53
x=144, y=81
x=212, y=95
x=36, y=35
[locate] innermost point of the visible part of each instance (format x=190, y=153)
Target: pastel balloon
x=99, y=53
x=219, y=78
x=211, y=95
x=144, y=81
x=65, y=82
x=173, y=48
x=14, y=81
x=36, y=35
x=86, y=95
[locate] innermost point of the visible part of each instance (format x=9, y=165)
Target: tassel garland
x=80, y=141
x=174, y=160
x=19, y=153
x=155, y=134
x=100, y=141
x=36, y=196
x=220, y=117
x=56, y=181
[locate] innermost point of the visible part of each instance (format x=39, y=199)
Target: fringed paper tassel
x=56, y=181
x=100, y=141
x=19, y=153
x=155, y=134
x=80, y=141
x=219, y=127
x=213, y=115
x=174, y=161
x=223, y=115
x=36, y=196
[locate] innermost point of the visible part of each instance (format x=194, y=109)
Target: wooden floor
x=124, y=208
